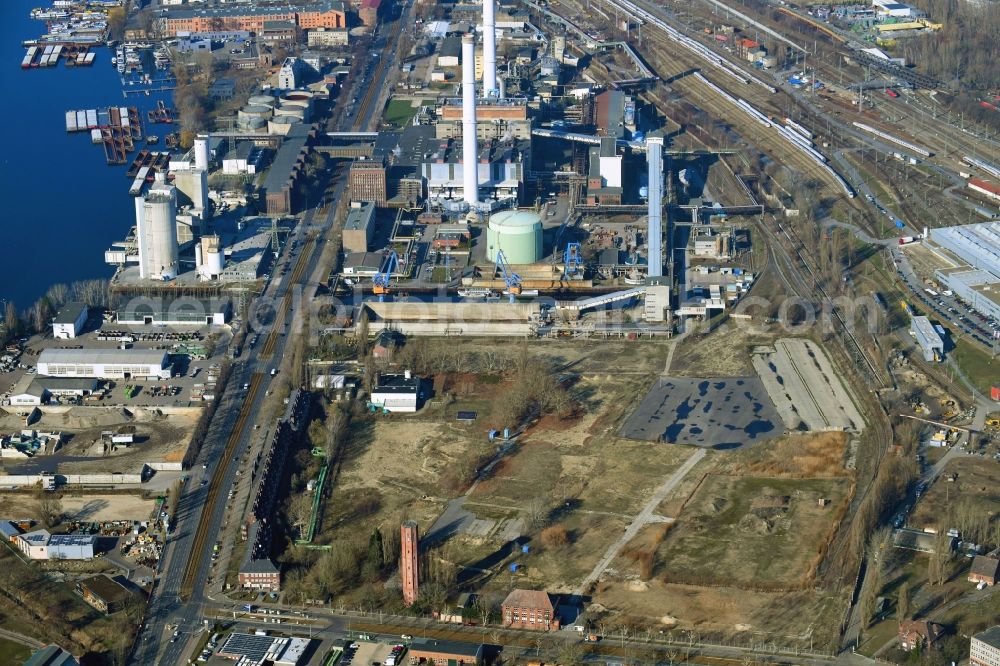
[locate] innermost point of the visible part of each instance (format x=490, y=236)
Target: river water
x=61, y=205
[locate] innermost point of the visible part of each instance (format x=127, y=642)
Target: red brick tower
x=409, y=542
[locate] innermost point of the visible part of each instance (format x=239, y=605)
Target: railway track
x=202, y=535
x=267, y=351
x=373, y=89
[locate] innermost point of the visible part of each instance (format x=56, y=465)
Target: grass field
x=399, y=112
x=13, y=653
x=982, y=370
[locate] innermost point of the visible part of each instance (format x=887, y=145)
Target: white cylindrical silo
x=158, y=235
x=489, y=48
x=470, y=149
x=197, y=257
x=201, y=152
x=212, y=258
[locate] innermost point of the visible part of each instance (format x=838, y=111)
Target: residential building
x=386, y=342
x=260, y=574
x=918, y=635
x=984, y=648
x=105, y=363
x=396, y=393
x=327, y=37
x=359, y=227
x=446, y=653
x=279, y=33
x=529, y=609
x=328, y=14
x=104, y=593
x=984, y=569
x=408, y=566
x=367, y=181
x=69, y=322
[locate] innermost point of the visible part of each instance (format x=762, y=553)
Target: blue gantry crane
x=384, y=275
x=511, y=279
x=572, y=260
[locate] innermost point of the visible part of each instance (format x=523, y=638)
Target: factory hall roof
x=358, y=218
x=286, y=158
x=70, y=313
x=55, y=355
x=396, y=384
x=244, y=10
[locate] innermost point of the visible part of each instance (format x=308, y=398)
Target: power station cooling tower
x=517, y=233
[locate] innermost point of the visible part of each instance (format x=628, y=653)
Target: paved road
x=641, y=519
x=166, y=607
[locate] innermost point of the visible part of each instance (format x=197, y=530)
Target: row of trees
x=36, y=318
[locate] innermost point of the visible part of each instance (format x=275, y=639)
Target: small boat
x=152, y=138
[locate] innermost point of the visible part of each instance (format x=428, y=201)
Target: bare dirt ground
x=160, y=437
x=581, y=477
x=976, y=489
x=83, y=507
x=755, y=532
x=789, y=618
x=725, y=352
x=394, y=472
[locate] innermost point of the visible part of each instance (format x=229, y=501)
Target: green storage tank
x=518, y=233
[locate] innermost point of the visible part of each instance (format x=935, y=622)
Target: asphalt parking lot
x=719, y=413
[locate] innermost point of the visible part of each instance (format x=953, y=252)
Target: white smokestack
x=470, y=148
x=201, y=152
x=489, y=48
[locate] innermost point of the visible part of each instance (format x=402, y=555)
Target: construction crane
x=384, y=275
x=572, y=261
x=511, y=279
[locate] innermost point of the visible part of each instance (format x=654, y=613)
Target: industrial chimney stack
x=470, y=148
x=489, y=49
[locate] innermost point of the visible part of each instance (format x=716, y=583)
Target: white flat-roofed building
x=930, y=342
x=70, y=320
x=975, y=246
x=105, y=363
x=43, y=545
x=396, y=393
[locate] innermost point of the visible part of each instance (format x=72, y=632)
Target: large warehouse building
x=105, y=363
x=975, y=251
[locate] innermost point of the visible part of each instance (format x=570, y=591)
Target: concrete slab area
x=719, y=413
x=806, y=390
